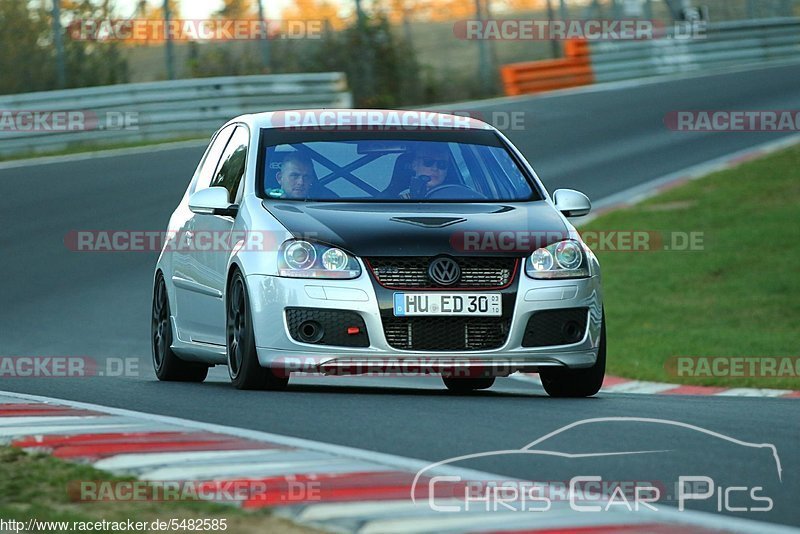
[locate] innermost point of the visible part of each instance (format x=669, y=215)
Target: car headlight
x=303, y=259
x=565, y=259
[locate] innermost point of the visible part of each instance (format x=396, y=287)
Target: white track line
x=124, y=462
x=753, y=392
x=98, y=154
x=33, y=421
x=638, y=386
x=10, y=432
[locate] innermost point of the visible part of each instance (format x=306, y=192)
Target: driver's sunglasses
x=441, y=164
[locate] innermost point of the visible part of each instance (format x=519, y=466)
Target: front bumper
x=270, y=295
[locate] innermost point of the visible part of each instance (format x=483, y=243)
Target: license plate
x=408, y=304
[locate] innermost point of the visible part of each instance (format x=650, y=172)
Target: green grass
x=739, y=296
x=36, y=486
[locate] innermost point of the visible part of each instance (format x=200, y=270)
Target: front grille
x=445, y=333
x=412, y=272
x=330, y=327
x=555, y=327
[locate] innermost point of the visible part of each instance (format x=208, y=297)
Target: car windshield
x=391, y=170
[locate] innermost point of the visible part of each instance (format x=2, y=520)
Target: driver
x=296, y=175
x=429, y=169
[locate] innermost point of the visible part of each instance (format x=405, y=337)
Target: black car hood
x=394, y=229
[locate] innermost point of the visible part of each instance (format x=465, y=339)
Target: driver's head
x=296, y=175
x=431, y=160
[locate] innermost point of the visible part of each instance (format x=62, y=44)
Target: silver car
x=365, y=241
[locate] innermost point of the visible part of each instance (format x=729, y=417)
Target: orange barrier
x=536, y=76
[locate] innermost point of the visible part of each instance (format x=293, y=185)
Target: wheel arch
x=173, y=309
x=233, y=268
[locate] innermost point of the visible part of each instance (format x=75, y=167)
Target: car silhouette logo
x=444, y=271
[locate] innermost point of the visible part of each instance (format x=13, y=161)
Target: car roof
x=376, y=118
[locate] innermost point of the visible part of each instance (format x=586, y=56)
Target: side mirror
x=212, y=201
x=572, y=203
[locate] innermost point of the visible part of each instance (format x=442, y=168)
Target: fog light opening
x=310, y=332
x=572, y=332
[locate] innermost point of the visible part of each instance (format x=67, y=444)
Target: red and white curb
x=616, y=384
x=355, y=490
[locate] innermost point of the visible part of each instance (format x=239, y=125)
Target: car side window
x=211, y=160
x=232, y=163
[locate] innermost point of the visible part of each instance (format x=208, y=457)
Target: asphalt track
x=62, y=303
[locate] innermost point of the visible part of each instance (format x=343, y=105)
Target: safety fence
x=698, y=48
x=129, y=113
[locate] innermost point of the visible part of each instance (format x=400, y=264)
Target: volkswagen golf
x=365, y=241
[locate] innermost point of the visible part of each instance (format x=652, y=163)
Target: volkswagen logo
x=444, y=271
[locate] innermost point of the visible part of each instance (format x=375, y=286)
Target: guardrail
x=720, y=45
x=725, y=44
x=157, y=110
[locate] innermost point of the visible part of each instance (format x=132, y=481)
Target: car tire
x=168, y=366
x=243, y=366
x=465, y=385
x=578, y=382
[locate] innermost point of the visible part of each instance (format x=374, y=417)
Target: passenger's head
x=296, y=175
x=431, y=160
